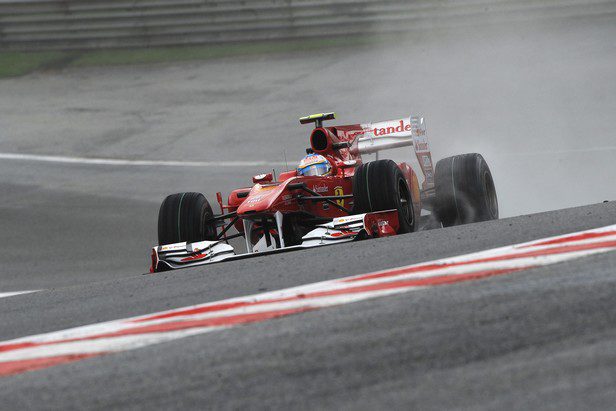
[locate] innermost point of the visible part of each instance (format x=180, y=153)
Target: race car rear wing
x=410, y=131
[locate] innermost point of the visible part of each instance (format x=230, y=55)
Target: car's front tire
x=185, y=217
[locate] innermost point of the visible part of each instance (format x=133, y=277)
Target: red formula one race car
x=332, y=197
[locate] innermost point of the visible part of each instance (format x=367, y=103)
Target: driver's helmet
x=314, y=165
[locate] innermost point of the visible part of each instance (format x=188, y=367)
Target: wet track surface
x=545, y=127
x=542, y=338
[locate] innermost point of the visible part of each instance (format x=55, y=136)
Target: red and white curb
x=45, y=350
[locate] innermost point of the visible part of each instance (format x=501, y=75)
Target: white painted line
x=126, y=162
x=12, y=293
x=560, y=152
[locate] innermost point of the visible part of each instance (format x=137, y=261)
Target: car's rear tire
x=465, y=191
x=379, y=186
x=185, y=217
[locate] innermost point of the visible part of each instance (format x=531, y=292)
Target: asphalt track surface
x=545, y=127
x=539, y=339
x=542, y=338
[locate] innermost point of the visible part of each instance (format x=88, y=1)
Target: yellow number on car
x=338, y=191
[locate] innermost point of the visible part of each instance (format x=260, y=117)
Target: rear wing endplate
x=410, y=131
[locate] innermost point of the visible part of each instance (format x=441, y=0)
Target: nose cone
x=261, y=199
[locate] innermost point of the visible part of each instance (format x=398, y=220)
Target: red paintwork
x=266, y=198
x=382, y=224
x=154, y=257
x=287, y=175
x=234, y=202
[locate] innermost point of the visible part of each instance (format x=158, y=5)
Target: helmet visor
x=314, y=170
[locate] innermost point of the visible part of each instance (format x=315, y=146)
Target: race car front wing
x=339, y=230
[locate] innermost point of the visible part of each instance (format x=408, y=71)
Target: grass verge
x=15, y=63
x=19, y=63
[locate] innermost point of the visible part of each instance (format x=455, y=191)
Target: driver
x=314, y=165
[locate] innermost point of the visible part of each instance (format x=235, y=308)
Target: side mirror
x=263, y=178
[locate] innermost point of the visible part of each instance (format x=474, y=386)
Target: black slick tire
x=185, y=217
x=465, y=191
x=379, y=186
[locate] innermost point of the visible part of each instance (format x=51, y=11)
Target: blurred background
x=221, y=84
